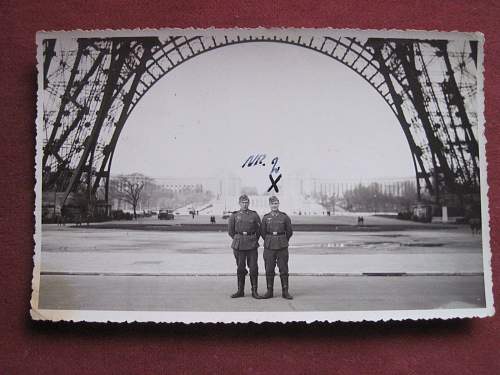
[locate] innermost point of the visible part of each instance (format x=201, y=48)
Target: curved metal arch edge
x=309, y=46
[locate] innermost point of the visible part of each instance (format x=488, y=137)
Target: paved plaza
x=124, y=269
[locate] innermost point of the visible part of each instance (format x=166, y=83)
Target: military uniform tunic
x=244, y=229
x=276, y=231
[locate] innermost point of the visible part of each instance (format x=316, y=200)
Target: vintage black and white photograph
x=237, y=175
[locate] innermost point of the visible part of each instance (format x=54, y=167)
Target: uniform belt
x=276, y=233
x=246, y=233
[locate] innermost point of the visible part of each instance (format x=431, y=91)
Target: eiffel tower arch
x=91, y=86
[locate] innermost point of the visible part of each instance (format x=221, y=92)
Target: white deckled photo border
x=260, y=316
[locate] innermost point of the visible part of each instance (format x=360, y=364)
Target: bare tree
x=130, y=191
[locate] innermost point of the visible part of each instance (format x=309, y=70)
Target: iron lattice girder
x=86, y=109
x=79, y=107
x=418, y=163
x=430, y=117
x=127, y=102
x=406, y=54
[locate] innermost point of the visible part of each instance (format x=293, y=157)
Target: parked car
x=121, y=215
x=422, y=212
x=166, y=215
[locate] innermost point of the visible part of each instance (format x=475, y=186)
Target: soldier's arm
x=230, y=226
x=259, y=225
x=263, y=228
x=288, y=227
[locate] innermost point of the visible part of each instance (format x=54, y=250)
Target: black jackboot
x=270, y=287
x=241, y=287
x=284, y=287
x=253, y=282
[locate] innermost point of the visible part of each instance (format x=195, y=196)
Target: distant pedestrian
x=475, y=225
x=244, y=229
x=63, y=215
x=276, y=231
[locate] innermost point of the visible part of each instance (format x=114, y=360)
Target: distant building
x=308, y=186
x=219, y=186
x=222, y=186
x=299, y=194
x=180, y=184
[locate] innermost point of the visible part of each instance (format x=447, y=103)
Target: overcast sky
x=319, y=117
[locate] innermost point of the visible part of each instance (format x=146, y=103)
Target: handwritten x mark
x=274, y=183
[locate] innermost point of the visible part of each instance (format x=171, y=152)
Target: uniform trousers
x=246, y=258
x=279, y=257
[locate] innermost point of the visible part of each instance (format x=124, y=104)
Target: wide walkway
x=104, y=269
x=211, y=293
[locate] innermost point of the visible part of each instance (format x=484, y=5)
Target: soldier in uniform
x=244, y=229
x=276, y=231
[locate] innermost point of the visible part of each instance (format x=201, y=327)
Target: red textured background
x=444, y=347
